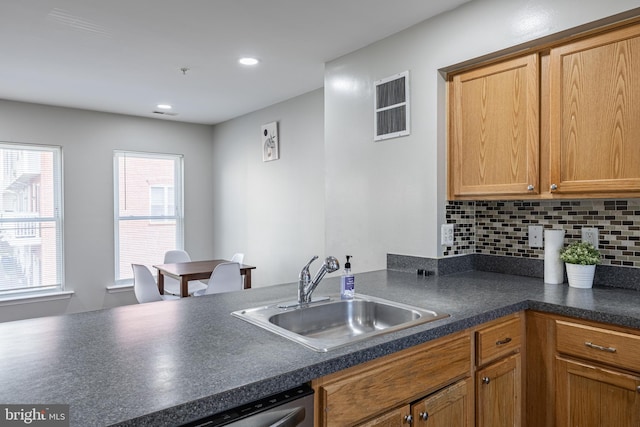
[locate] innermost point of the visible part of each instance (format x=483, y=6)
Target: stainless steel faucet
x=306, y=286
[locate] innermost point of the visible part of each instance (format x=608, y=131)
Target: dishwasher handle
x=292, y=419
x=290, y=408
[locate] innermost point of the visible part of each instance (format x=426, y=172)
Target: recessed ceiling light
x=164, y=106
x=248, y=61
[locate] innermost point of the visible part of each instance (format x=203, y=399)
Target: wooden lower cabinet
x=498, y=376
x=394, y=418
x=591, y=396
x=577, y=373
x=449, y=407
x=539, y=374
x=499, y=393
x=373, y=392
x=581, y=373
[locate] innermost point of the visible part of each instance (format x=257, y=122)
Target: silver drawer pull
x=599, y=347
x=507, y=340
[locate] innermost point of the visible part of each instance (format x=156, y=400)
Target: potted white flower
x=580, y=259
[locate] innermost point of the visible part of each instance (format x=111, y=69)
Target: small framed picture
x=270, y=142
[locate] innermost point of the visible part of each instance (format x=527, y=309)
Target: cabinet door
x=590, y=396
x=499, y=390
x=364, y=391
x=394, y=418
x=451, y=407
x=494, y=130
x=595, y=105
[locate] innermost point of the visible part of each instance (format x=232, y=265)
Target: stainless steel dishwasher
x=290, y=408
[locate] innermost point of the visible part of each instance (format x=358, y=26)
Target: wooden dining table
x=195, y=270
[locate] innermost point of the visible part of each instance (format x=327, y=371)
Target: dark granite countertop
x=162, y=364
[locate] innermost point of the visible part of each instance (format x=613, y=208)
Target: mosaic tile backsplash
x=501, y=227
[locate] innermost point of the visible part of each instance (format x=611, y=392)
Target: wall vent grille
x=392, y=109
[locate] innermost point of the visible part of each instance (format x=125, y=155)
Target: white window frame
x=177, y=216
x=166, y=204
x=42, y=290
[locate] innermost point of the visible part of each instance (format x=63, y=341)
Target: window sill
x=119, y=288
x=37, y=297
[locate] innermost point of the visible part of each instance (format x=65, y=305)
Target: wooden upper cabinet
x=594, y=114
x=494, y=130
x=563, y=122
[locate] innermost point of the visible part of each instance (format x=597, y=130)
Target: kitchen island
x=166, y=363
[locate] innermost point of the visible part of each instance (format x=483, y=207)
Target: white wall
x=88, y=140
x=272, y=211
x=389, y=197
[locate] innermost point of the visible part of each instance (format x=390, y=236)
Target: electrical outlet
x=446, y=235
x=535, y=236
x=590, y=235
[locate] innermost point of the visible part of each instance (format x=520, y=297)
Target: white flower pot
x=580, y=276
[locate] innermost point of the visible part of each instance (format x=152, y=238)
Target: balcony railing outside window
x=31, y=257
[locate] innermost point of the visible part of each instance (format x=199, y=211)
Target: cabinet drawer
x=381, y=385
x=499, y=340
x=614, y=348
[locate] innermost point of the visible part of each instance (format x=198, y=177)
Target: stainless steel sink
x=323, y=326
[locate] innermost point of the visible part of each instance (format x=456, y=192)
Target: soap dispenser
x=347, y=281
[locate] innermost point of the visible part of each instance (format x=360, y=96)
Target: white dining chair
x=225, y=278
x=145, y=287
x=171, y=285
x=238, y=257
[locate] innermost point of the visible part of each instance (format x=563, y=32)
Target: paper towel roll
x=553, y=265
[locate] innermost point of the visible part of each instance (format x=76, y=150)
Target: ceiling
x=127, y=56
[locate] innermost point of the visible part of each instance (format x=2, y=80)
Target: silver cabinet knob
x=408, y=419
x=486, y=380
x=553, y=187
x=424, y=416
x=530, y=187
